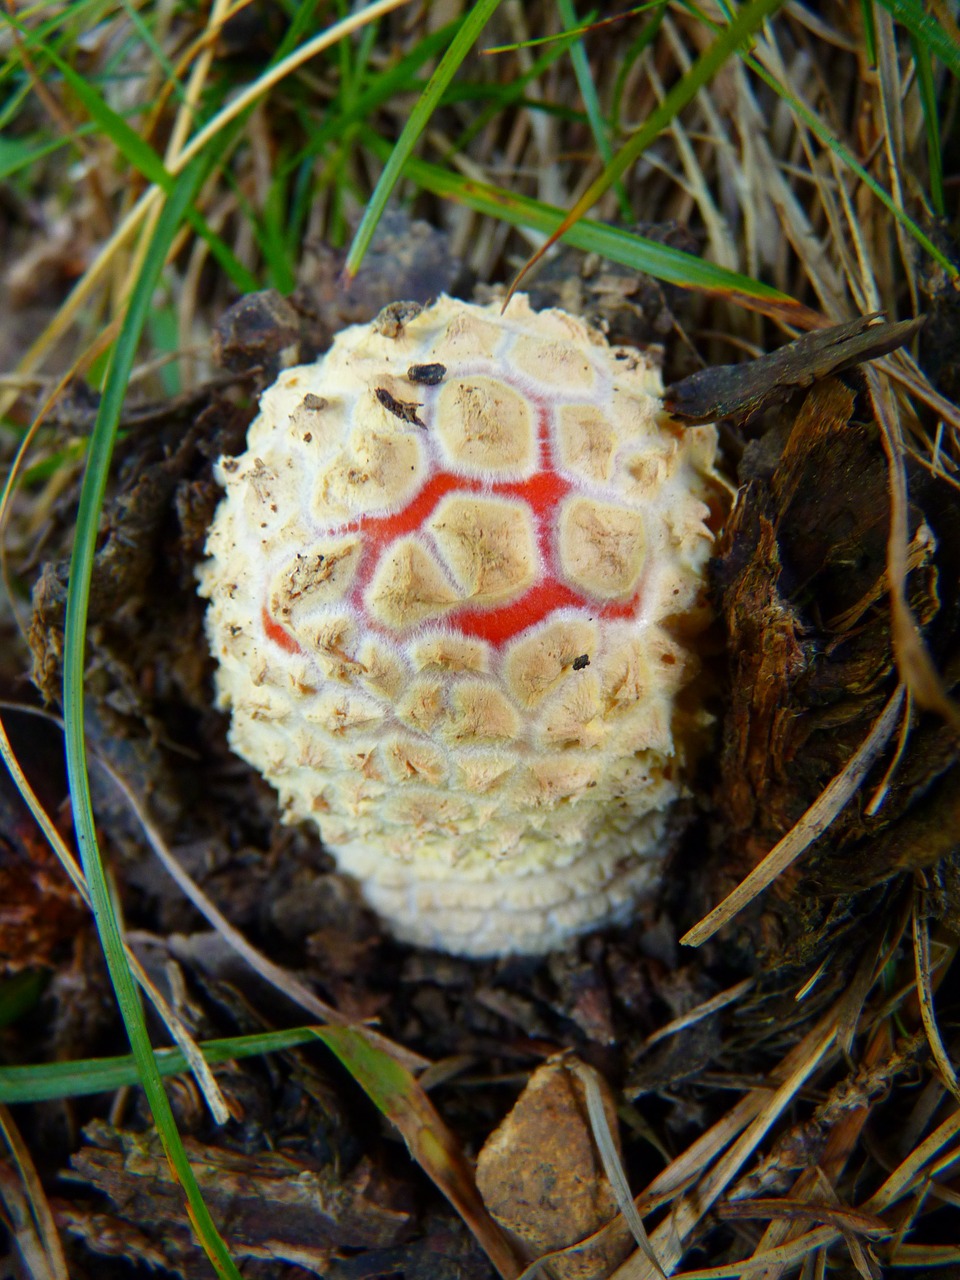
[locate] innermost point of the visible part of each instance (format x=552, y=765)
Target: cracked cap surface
x=452, y=617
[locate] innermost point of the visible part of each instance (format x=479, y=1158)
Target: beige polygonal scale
x=489, y=545
x=482, y=714
x=410, y=586
x=466, y=335
x=586, y=441
x=561, y=364
x=486, y=427
x=601, y=547
x=544, y=655
x=322, y=574
x=374, y=472
x=450, y=653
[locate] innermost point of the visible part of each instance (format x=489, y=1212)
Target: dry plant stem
x=78, y=367
x=891, y=93
x=792, y=1209
x=158, y=104
x=787, y=1255
x=668, y=1239
x=875, y=803
x=178, y=134
x=704, y=1010
x=154, y=196
x=810, y=827
x=178, y=1032
x=612, y=1166
x=851, y=1004
x=903, y=369
x=860, y=278
x=282, y=979
x=723, y=247
x=840, y=1145
x=925, y=989
x=36, y=1233
x=903, y=1178
x=913, y=661
x=791, y=217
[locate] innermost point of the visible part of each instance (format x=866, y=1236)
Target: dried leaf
x=542, y=1175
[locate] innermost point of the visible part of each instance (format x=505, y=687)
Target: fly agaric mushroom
x=454, y=585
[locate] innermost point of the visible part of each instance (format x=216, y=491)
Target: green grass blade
x=618, y=245
x=146, y=161
x=21, y=153
x=925, y=27
x=511, y=94
x=81, y=568
x=647, y=32
x=476, y=19
x=686, y=88
x=146, y=35
x=395, y=1091
x=380, y=89
x=591, y=102
x=869, y=31
x=931, y=120
x=41, y=1082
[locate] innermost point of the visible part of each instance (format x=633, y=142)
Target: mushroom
x=455, y=584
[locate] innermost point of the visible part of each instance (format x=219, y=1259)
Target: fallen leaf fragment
x=541, y=1176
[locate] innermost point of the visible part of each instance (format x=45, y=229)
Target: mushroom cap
x=455, y=586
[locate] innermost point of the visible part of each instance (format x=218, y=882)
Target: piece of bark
x=271, y=1204
x=802, y=591
x=739, y=391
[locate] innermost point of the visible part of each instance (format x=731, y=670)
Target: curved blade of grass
x=869, y=31
x=587, y=27
x=927, y=30
x=81, y=567
x=618, y=245
x=40, y=1082
x=506, y=95
x=931, y=121
x=21, y=153
x=380, y=89
x=473, y=23
x=214, y=127
x=633, y=52
x=710, y=61
x=396, y=1093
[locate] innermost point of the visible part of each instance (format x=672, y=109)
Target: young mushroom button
x=455, y=587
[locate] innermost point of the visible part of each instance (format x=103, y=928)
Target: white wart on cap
x=455, y=586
